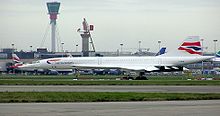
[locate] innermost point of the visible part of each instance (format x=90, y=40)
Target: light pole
x=121, y=47
x=202, y=46
x=159, y=42
x=13, y=53
x=202, y=55
x=62, y=46
x=77, y=47
x=215, y=41
x=13, y=49
x=139, y=46
x=31, y=48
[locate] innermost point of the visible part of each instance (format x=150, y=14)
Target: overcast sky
x=24, y=23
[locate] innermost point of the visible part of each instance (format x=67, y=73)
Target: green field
x=11, y=97
x=101, y=80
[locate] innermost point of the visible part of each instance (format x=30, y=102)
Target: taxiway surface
x=151, y=108
x=115, y=88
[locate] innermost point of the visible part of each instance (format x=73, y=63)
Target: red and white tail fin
x=15, y=58
x=191, y=45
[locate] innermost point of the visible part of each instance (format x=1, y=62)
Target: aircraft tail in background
x=15, y=58
x=217, y=57
x=69, y=55
x=162, y=51
x=217, y=54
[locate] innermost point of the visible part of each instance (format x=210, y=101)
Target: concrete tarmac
x=151, y=108
x=115, y=88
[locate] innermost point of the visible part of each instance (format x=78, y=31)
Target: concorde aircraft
x=189, y=52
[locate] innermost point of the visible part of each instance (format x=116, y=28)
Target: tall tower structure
x=86, y=37
x=53, y=11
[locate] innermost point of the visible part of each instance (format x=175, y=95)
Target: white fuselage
x=115, y=62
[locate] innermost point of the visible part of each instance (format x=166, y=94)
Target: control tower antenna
x=53, y=11
x=86, y=37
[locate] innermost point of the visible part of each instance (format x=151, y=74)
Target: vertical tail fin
x=15, y=58
x=162, y=51
x=191, y=45
x=217, y=54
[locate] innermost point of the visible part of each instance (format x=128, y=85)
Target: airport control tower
x=86, y=37
x=53, y=9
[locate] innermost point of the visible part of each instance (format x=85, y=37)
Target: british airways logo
x=53, y=60
x=191, y=47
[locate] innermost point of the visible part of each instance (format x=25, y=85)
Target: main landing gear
x=140, y=77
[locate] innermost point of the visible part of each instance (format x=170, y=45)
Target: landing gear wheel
x=141, y=76
x=130, y=78
x=127, y=78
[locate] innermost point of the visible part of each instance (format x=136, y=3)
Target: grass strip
x=108, y=82
x=19, y=97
